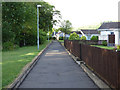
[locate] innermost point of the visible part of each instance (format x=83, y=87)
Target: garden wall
x=105, y=63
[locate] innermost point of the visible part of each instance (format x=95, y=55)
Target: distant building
x=88, y=33
x=58, y=34
x=110, y=28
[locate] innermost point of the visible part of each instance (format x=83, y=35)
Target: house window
x=112, y=33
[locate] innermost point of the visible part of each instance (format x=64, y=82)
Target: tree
x=74, y=36
x=66, y=27
x=47, y=12
x=19, y=21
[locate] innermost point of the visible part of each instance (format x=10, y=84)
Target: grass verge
x=61, y=41
x=105, y=47
x=14, y=61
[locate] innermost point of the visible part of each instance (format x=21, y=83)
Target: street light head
x=38, y=6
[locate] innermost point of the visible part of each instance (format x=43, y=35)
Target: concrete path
x=56, y=69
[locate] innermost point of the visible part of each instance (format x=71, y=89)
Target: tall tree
x=19, y=21
x=66, y=27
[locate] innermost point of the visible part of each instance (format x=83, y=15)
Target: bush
x=8, y=46
x=43, y=37
x=94, y=38
x=104, y=43
x=50, y=37
x=60, y=38
x=74, y=36
x=118, y=46
x=16, y=46
x=83, y=38
x=54, y=38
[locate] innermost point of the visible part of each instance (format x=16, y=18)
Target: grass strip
x=14, y=61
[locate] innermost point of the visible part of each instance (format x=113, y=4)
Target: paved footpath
x=56, y=69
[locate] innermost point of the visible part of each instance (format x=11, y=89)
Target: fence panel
x=73, y=47
x=105, y=63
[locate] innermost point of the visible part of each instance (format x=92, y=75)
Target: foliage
x=94, y=38
x=66, y=26
x=50, y=37
x=60, y=38
x=104, y=43
x=43, y=36
x=83, y=38
x=118, y=46
x=46, y=16
x=61, y=41
x=74, y=36
x=8, y=46
x=19, y=21
x=54, y=38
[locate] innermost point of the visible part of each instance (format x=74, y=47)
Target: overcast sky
x=87, y=12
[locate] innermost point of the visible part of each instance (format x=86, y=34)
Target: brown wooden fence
x=105, y=63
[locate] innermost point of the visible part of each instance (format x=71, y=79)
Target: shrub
x=16, y=46
x=83, y=38
x=94, y=38
x=8, y=46
x=43, y=37
x=74, y=36
x=104, y=43
x=118, y=46
x=50, y=37
x=54, y=38
x=60, y=38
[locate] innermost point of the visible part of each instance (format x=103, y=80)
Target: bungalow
x=59, y=34
x=110, y=28
x=89, y=33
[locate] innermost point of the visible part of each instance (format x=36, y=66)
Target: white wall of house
x=104, y=35
x=119, y=37
x=116, y=37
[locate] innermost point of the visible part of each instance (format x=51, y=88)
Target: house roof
x=89, y=31
x=78, y=32
x=110, y=25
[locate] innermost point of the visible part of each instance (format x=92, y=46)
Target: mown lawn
x=61, y=41
x=105, y=47
x=14, y=61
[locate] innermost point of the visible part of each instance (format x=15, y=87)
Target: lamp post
x=48, y=32
x=38, y=26
x=48, y=27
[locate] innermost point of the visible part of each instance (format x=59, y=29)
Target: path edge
x=101, y=84
x=27, y=68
